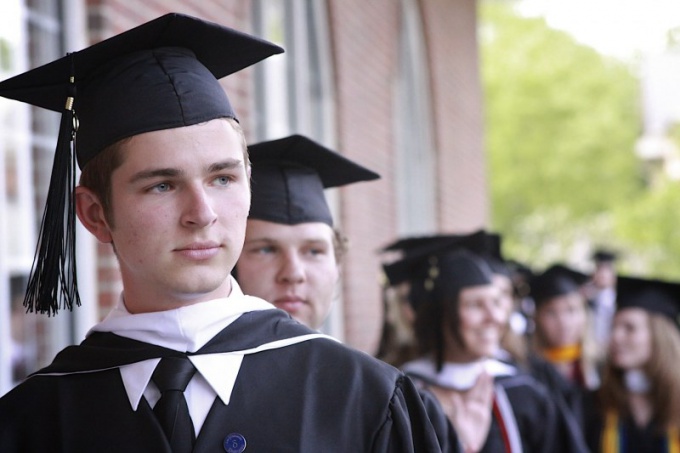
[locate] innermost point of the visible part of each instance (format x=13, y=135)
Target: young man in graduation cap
x=292, y=250
x=184, y=362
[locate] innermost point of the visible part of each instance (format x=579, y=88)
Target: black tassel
x=53, y=283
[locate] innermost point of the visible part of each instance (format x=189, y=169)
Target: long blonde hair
x=662, y=370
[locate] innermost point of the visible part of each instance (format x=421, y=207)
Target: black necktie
x=171, y=377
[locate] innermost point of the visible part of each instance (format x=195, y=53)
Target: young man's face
x=561, y=321
x=180, y=202
x=292, y=266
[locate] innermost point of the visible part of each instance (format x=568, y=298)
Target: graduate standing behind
x=562, y=335
x=639, y=399
x=184, y=362
x=564, y=357
x=292, y=251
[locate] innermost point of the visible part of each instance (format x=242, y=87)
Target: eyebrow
x=271, y=240
x=227, y=164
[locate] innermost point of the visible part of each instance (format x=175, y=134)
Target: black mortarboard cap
x=656, y=296
x=438, y=271
x=443, y=276
x=461, y=269
x=414, y=247
x=557, y=280
x=289, y=176
x=475, y=241
x=603, y=255
x=412, y=243
x=493, y=254
x=160, y=75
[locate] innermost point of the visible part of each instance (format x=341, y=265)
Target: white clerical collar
x=184, y=329
x=457, y=376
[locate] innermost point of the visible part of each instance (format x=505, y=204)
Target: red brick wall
x=450, y=27
x=365, y=44
x=364, y=35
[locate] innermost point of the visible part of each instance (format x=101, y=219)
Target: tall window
x=415, y=150
x=294, y=91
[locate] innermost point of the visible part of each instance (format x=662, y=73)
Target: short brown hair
x=96, y=175
x=340, y=245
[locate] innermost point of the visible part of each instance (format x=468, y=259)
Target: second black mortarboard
x=160, y=75
x=439, y=273
x=289, y=176
x=656, y=296
x=557, y=280
x=411, y=248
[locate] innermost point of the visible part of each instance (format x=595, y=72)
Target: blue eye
x=223, y=180
x=162, y=187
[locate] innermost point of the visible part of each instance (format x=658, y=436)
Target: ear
x=91, y=214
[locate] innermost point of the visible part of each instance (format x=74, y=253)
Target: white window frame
x=415, y=184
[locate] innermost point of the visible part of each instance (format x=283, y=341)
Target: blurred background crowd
x=603, y=346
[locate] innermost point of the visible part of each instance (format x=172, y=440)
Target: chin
x=302, y=320
x=201, y=286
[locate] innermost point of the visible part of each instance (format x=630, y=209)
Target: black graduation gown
x=572, y=400
x=535, y=414
x=541, y=424
x=446, y=433
x=648, y=439
x=313, y=396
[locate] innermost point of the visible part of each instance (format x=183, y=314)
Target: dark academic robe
x=446, y=433
x=572, y=399
x=541, y=425
x=648, y=439
x=314, y=396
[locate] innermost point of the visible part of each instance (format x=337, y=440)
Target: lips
x=199, y=250
x=291, y=304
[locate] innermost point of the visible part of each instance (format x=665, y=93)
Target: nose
x=496, y=313
x=616, y=335
x=198, y=210
x=292, y=269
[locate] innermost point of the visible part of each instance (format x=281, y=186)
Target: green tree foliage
x=561, y=126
